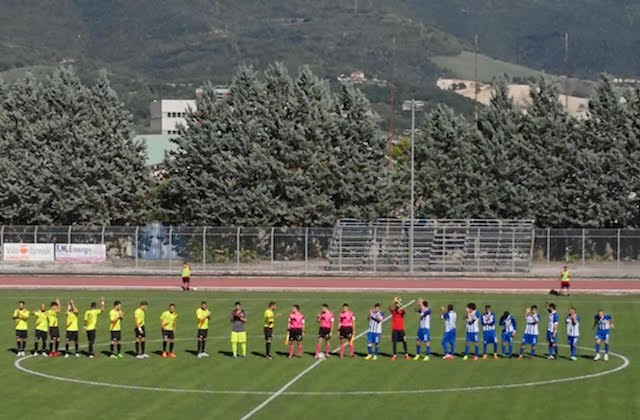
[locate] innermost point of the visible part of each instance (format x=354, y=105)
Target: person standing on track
x=115, y=327
x=239, y=330
x=347, y=330
x=91, y=323
x=269, y=324
x=21, y=317
x=54, y=330
x=169, y=322
x=203, y=315
x=42, y=329
x=72, y=329
x=449, y=317
x=424, y=330
x=295, y=330
x=565, y=281
x=186, y=276
x=326, y=320
x=139, y=316
x=398, y=332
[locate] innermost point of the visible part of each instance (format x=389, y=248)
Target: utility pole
x=475, y=83
x=392, y=92
x=566, y=63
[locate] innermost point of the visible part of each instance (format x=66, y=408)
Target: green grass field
x=223, y=387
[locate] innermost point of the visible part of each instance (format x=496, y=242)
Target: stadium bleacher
x=473, y=245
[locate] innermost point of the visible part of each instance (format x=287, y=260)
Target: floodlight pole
x=412, y=105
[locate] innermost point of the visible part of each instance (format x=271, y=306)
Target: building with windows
x=168, y=114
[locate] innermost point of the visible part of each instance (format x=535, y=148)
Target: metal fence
x=295, y=250
x=587, y=246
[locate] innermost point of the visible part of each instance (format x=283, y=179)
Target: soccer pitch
x=223, y=387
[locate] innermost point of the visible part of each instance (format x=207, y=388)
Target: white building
x=168, y=114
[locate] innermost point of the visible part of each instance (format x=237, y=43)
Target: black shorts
x=41, y=335
x=22, y=334
x=54, y=332
x=203, y=333
x=167, y=335
x=398, y=336
x=116, y=335
x=346, y=333
x=186, y=279
x=295, y=334
x=72, y=336
x=138, y=333
x=268, y=333
x=91, y=335
x=565, y=284
x=324, y=332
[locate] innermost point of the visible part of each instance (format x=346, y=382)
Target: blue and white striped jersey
x=375, y=322
x=488, y=321
x=450, y=319
x=573, y=330
x=472, y=322
x=553, y=321
x=532, y=324
x=425, y=318
x=604, y=323
x=509, y=325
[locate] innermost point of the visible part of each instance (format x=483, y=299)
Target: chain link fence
x=292, y=250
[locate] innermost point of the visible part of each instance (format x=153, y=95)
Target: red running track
x=321, y=283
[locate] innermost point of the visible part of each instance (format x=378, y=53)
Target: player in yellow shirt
x=168, y=322
x=54, y=330
x=203, y=315
x=42, y=328
x=72, y=329
x=91, y=323
x=269, y=323
x=21, y=316
x=115, y=326
x=139, y=316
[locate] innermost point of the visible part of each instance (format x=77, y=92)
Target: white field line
x=301, y=374
x=625, y=364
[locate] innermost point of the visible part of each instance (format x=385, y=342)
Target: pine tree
x=71, y=158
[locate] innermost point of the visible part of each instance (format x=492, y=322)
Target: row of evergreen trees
x=287, y=151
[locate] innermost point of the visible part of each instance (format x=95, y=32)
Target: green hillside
x=163, y=48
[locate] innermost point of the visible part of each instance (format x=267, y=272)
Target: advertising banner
x=28, y=252
x=81, y=253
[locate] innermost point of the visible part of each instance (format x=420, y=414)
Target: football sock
x=268, y=348
x=606, y=348
x=352, y=348
x=137, y=348
x=111, y=347
x=404, y=345
x=143, y=345
x=484, y=348
x=533, y=352
x=369, y=348
x=119, y=348
x=234, y=348
x=244, y=348
x=164, y=346
x=377, y=349
x=171, y=347
x=328, y=348
x=395, y=350
x=318, y=347
x=428, y=350
x=204, y=343
x=597, y=347
x=477, y=349
x=418, y=349
x=300, y=348
x=291, y=349
x=466, y=350
x=341, y=349
x=57, y=345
